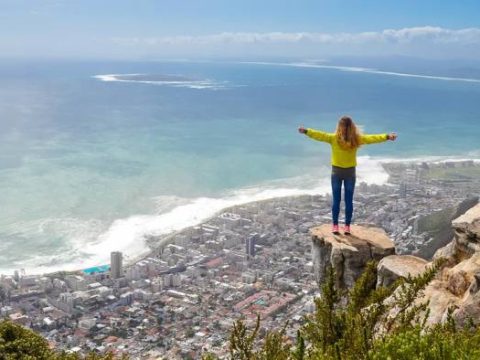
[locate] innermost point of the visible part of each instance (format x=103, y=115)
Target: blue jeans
x=349, y=186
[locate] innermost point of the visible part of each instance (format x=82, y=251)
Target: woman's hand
x=392, y=136
x=302, y=130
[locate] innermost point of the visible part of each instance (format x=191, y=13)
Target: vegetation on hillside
x=19, y=343
x=363, y=323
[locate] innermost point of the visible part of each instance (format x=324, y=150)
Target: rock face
x=347, y=254
x=458, y=283
x=438, y=226
x=466, y=240
x=392, y=267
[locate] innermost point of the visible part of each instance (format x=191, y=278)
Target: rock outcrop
x=347, y=254
x=392, y=267
x=457, y=286
x=436, y=226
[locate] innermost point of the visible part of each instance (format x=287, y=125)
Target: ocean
x=96, y=155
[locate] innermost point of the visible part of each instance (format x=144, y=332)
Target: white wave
x=370, y=170
x=112, y=77
x=127, y=235
x=90, y=247
x=365, y=70
x=433, y=159
x=191, y=84
x=67, y=257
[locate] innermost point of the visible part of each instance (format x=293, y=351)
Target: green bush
x=19, y=343
x=363, y=323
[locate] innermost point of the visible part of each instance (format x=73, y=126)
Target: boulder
x=439, y=301
x=469, y=222
x=392, y=267
x=466, y=239
x=467, y=231
x=457, y=288
x=347, y=254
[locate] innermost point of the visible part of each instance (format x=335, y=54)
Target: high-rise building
x=250, y=242
x=403, y=190
x=253, y=241
x=116, y=268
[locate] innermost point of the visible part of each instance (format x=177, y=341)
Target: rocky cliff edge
x=457, y=285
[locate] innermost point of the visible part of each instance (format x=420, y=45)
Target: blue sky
x=255, y=28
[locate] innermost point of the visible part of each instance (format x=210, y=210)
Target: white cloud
x=405, y=35
x=425, y=41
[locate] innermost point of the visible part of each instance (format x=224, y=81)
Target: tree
x=361, y=324
x=17, y=342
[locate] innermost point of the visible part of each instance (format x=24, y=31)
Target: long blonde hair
x=347, y=133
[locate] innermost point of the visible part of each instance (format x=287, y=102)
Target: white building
x=76, y=282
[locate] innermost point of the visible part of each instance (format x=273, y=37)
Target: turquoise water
x=89, y=165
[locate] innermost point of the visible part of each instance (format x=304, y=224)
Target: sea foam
x=163, y=80
x=365, y=70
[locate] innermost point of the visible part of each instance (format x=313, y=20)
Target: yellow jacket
x=342, y=157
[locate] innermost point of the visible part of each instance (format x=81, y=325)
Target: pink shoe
x=346, y=230
x=335, y=229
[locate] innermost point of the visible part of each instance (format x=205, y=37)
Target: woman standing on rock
x=344, y=142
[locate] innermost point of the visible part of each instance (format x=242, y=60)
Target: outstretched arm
x=317, y=134
x=377, y=138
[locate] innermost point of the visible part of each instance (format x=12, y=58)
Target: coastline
x=164, y=239
x=387, y=165
x=212, y=267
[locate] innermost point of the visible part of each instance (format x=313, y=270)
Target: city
x=247, y=261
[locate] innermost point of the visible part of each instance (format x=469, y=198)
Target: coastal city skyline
x=160, y=186
x=181, y=299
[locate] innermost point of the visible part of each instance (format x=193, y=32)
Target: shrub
x=19, y=343
x=363, y=323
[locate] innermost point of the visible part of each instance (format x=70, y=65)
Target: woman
x=344, y=142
